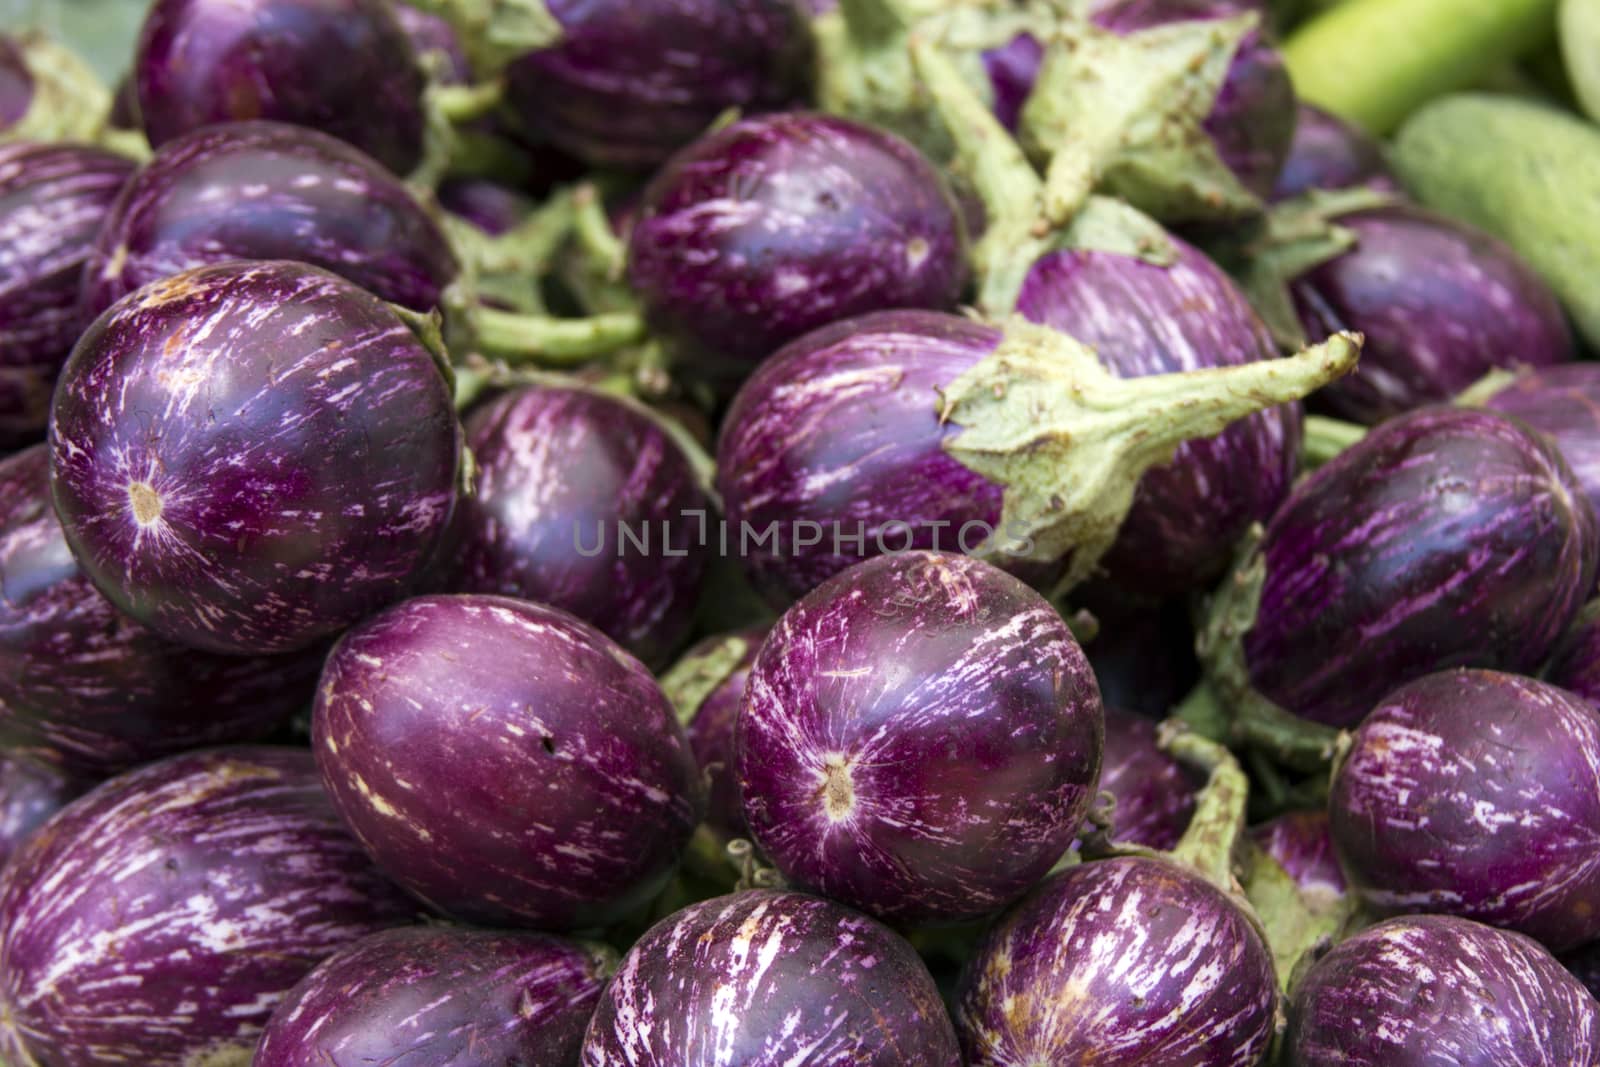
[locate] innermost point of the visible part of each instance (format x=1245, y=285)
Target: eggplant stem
x=1209, y=842
x=554, y=341
x=692, y=679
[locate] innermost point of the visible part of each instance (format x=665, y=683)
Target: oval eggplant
x=249, y=457
x=440, y=996
x=764, y=979
x=1301, y=842
x=1146, y=319
x=776, y=225
x=53, y=200
x=85, y=686
x=1154, y=793
x=629, y=82
x=556, y=789
x=1435, y=989
x=585, y=503
x=1575, y=664
x=31, y=791
x=269, y=190
x=1563, y=403
x=920, y=738
x=1330, y=153
x=159, y=919
x=1443, y=538
x=708, y=686
x=345, y=67
x=1440, y=305
x=1476, y=793
x=1128, y=960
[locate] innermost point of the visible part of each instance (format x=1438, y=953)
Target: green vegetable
x=1580, y=45
x=1525, y=172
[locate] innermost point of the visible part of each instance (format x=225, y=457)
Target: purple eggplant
x=1012, y=69
x=432, y=35
x=1476, y=793
x=249, y=457
x=1330, y=153
x=707, y=687
x=490, y=206
x=443, y=997
x=53, y=200
x=1128, y=960
x=776, y=225
x=1142, y=652
x=585, y=503
x=1301, y=842
x=555, y=789
x=1154, y=793
x=269, y=190
x=31, y=791
x=85, y=686
x=1562, y=403
x=1434, y=989
x=159, y=919
x=920, y=738
x=1144, y=319
x=628, y=83
x=1440, y=305
x=345, y=67
x=763, y=979
x=1575, y=664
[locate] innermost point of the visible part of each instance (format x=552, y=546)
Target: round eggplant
x=53, y=200
x=440, y=997
x=1121, y=961
x=249, y=457
x=555, y=788
x=1563, y=403
x=1436, y=989
x=1476, y=793
x=1154, y=793
x=1301, y=842
x=85, y=686
x=269, y=190
x=920, y=739
x=776, y=225
x=30, y=792
x=159, y=919
x=345, y=67
x=585, y=503
x=1575, y=665
x=707, y=687
x=766, y=979
x=1329, y=153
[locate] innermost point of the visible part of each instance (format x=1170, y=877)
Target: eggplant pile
x=762, y=533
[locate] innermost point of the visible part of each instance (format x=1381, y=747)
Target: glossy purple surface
x=30, y=793
x=1302, y=844
x=920, y=739
x=630, y=83
x=345, y=67
x=505, y=762
x=776, y=225
x=1154, y=793
x=1143, y=653
x=87, y=687
x=1145, y=319
x=1575, y=664
x=1121, y=961
x=1435, y=990
x=157, y=920
x=439, y=996
x=269, y=190
x=713, y=736
x=249, y=457
x=1444, y=538
x=53, y=199
x=16, y=83
x=584, y=503
x=763, y=979
x=1440, y=305
x=1563, y=403
x=1477, y=794
x=1329, y=153
x=1012, y=69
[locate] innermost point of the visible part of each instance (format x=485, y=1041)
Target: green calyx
x=695, y=677
x=69, y=101
x=495, y=32
x=445, y=109
x=1068, y=441
x=1300, y=923
x=1325, y=438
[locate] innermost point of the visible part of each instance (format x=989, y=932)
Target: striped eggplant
x=53, y=200
x=1301, y=842
x=1154, y=793
x=1128, y=960
x=1440, y=305
x=30, y=792
x=707, y=687
x=443, y=997
x=1142, y=319
x=1330, y=153
x=1476, y=793
x=776, y=225
x=765, y=979
x=269, y=190
x=1563, y=403
x=1434, y=989
x=158, y=919
x=920, y=739
x=249, y=457
x=1575, y=664
x=586, y=503
x=1142, y=651
x=345, y=67
x=556, y=789
x=86, y=687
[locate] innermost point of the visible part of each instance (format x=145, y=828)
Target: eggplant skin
x=766, y=979
x=1563, y=403
x=1426, y=990
x=1154, y=793
x=713, y=734
x=1301, y=842
x=249, y=457
x=1329, y=153
x=1447, y=537
x=158, y=919
x=30, y=792
x=1122, y=961
x=437, y=996
x=53, y=200
x=1476, y=793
